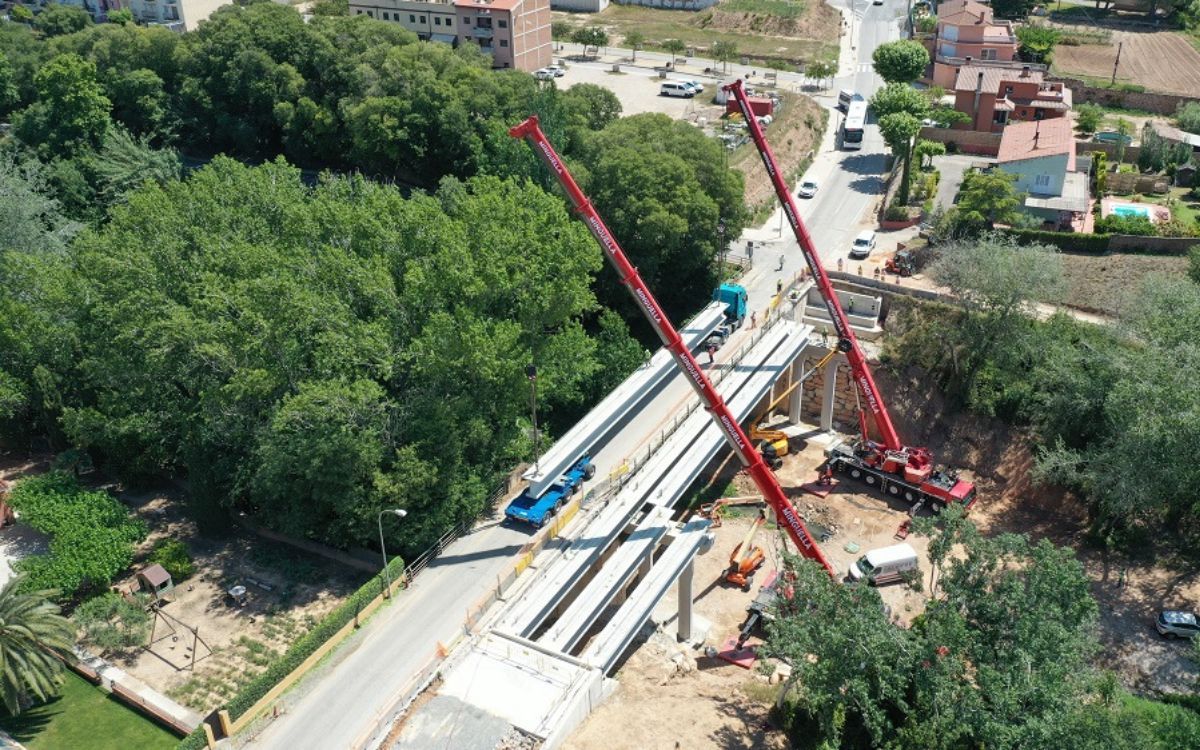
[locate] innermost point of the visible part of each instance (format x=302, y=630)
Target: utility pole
x=1116, y=63
x=853, y=43
x=721, y=247
x=531, y=373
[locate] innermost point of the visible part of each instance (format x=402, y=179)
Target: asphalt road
x=340, y=706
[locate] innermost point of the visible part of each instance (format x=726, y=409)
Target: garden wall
x=967, y=141
x=1163, y=104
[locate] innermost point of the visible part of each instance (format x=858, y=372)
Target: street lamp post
x=398, y=513
x=531, y=373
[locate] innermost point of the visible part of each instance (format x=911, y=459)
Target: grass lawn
x=1184, y=208
x=86, y=717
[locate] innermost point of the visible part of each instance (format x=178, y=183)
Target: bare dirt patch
x=1099, y=283
x=1162, y=61
x=288, y=592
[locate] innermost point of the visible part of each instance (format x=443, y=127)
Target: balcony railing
x=948, y=60
x=483, y=32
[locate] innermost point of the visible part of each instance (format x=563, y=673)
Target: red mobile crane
x=899, y=470
x=750, y=457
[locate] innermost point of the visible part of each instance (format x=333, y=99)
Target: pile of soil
x=817, y=21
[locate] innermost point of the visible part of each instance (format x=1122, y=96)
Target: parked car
x=864, y=243
x=807, y=189
x=675, y=88
x=1176, y=624
x=695, y=85
x=557, y=70
x=544, y=74
x=876, y=2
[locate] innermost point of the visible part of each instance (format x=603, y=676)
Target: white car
x=557, y=70
x=1176, y=624
x=544, y=74
x=807, y=189
x=864, y=243
x=693, y=84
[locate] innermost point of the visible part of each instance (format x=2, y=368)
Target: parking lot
x=637, y=89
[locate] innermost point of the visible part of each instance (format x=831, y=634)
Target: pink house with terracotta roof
x=993, y=97
x=967, y=33
x=1041, y=156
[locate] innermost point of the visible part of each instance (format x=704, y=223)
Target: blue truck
x=537, y=510
x=735, y=300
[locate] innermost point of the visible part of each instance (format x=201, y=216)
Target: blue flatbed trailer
x=537, y=510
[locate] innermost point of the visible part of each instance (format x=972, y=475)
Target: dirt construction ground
x=1163, y=61
x=700, y=702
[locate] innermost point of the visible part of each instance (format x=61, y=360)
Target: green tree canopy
x=988, y=198
x=634, y=40
x=899, y=129
x=71, y=114
x=902, y=61
x=58, y=20
x=999, y=658
x=662, y=187
x=1037, y=43
x=1088, y=117
x=899, y=97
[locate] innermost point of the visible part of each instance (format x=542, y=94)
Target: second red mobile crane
x=899, y=470
x=786, y=514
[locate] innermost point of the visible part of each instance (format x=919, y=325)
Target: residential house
x=993, y=97
x=516, y=33
x=183, y=15
x=1041, y=155
x=967, y=34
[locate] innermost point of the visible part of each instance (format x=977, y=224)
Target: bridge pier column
x=685, y=601
x=831, y=368
x=794, y=399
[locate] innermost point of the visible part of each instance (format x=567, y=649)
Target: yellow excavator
x=772, y=444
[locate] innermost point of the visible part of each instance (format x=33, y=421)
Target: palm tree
x=30, y=627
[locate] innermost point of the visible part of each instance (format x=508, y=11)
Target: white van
x=864, y=243
x=884, y=565
x=676, y=88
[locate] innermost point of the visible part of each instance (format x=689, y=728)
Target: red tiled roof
x=993, y=77
x=1031, y=140
x=962, y=12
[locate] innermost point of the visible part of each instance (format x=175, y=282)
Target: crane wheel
x=589, y=471
x=856, y=473
x=893, y=490
x=909, y=496
x=871, y=479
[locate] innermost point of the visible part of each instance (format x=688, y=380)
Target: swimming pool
x=1126, y=209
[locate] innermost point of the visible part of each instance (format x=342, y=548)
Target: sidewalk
x=112, y=677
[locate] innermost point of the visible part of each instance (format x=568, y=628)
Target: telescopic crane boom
x=763, y=478
x=899, y=469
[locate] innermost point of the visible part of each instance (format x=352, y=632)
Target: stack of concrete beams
x=668, y=473
x=594, y=428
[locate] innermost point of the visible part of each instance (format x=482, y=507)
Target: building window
x=987, y=54
x=1042, y=180
x=371, y=13
x=386, y=17
x=412, y=18
x=437, y=20
x=503, y=42
x=422, y=19
x=1039, y=114
x=502, y=23
x=1000, y=118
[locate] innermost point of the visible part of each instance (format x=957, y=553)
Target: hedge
x=1096, y=244
x=300, y=650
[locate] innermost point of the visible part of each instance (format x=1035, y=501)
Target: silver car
x=1176, y=624
x=807, y=189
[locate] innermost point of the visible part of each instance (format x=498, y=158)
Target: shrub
x=896, y=212
x=1096, y=244
x=1088, y=117
x=310, y=642
x=173, y=555
x=92, y=534
x=1187, y=117
x=1135, y=225
x=111, y=622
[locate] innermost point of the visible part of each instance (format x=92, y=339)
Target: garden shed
x=156, y=581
